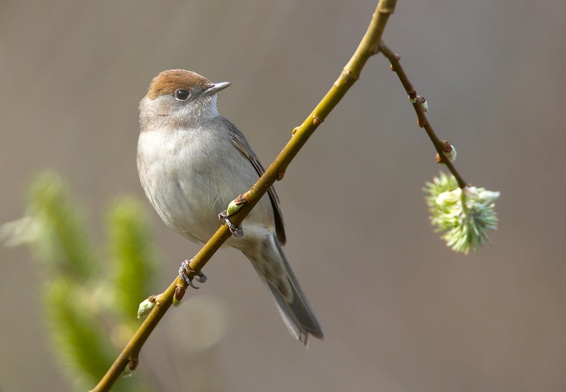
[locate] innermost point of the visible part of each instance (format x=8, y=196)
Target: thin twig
x=441, y=146
x=367, y=47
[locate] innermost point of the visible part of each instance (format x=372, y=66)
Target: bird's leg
x=233, y=207
x=199, y=276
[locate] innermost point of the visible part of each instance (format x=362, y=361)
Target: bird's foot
x=233, y=207
x=199, y=276
x=236, y=231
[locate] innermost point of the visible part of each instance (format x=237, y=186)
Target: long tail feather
x=276, y=273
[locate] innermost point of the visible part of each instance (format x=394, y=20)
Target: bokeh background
x=400, y=311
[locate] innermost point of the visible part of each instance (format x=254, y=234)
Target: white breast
x=190, y=176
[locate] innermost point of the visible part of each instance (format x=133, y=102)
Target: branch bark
x=441, y=146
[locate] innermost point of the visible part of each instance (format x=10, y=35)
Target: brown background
x=399, y=310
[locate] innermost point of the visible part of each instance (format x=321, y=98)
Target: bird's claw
x=236, y=231
x=199, y=276
x=233, y=207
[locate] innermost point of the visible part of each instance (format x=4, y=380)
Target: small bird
x=193, y=162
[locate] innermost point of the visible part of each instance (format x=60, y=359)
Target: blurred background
x=400, y=311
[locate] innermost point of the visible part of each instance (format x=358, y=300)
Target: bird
x=192, y=162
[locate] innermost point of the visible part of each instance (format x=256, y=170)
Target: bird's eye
x=181, y=94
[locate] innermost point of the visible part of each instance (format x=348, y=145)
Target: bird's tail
x=276, y=273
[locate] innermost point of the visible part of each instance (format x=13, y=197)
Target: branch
x=463, y=213
x=369, y=45
x=441, y=146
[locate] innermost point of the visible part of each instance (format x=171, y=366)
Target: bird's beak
x=216, y=87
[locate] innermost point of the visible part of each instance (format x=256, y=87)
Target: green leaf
x=133, y=256
x=61, y=240
x=76, y=333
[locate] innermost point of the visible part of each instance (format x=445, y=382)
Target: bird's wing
x=243, y=146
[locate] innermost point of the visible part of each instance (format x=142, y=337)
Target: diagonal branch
x=442, y=146
x=368, y=46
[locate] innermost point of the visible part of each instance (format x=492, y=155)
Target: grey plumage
x=192, y=162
